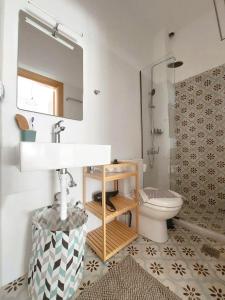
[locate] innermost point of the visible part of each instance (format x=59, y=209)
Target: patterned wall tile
x=199, y=159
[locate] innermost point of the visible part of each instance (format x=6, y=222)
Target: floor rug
x=127, y=281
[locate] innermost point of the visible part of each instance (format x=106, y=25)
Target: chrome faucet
x=57, y=129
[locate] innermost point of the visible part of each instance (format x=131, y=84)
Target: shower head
x=175, y=64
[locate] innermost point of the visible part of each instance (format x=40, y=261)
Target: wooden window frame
x=58, y=107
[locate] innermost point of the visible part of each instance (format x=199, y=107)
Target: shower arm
x=155, y=65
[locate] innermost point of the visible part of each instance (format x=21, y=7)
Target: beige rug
x=127, y=281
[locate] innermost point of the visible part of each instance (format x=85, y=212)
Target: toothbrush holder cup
x=28, y=135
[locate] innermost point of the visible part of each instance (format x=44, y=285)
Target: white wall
x=109, y=118
x=1, y=49
x=199, y=46
x=197, y=43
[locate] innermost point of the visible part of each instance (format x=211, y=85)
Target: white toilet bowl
x=154, y=212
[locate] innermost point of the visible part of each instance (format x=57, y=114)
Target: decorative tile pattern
x=15, y=285
x=178, y=264
x=206, y=217
x=199, y=160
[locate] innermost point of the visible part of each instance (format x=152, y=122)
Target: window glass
x=35, y=96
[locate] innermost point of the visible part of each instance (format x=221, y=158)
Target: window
x=39, y=93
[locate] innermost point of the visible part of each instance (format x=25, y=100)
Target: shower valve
x=153, y=151
x=157, y=131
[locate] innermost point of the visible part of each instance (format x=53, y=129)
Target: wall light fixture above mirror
x=50, y=70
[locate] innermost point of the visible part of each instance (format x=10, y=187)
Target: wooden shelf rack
x=113, y=235
x=118, y=235
x=110, y=176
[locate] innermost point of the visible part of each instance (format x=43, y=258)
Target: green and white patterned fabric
x=56, y=264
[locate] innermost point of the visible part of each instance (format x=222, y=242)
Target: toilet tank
x=127, y=186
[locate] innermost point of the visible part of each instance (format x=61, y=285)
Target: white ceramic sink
x=52, y=156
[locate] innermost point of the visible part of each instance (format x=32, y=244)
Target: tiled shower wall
x=199, y=161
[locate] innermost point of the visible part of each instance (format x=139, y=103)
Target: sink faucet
x=57, y=129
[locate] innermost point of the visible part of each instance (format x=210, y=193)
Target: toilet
x=156, y=207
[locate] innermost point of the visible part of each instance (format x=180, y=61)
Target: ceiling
x=129, y=26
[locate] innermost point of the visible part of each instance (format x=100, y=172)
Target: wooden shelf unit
x=118, y=236
x=110, y=176
x=113, y=235
x=122, y=205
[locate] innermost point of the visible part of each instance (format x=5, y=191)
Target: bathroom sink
x=52, y=156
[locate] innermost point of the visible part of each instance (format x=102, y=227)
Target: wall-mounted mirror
x=50, y=71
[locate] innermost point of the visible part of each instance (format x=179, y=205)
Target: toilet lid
x=162, y=198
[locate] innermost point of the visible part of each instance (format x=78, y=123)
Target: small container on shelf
x=28, y=135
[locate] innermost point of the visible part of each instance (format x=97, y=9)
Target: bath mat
x=127, y=281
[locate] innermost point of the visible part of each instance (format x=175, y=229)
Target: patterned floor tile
x=179, y=264
x=210, y=218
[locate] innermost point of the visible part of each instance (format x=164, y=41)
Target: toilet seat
x=168, y=199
